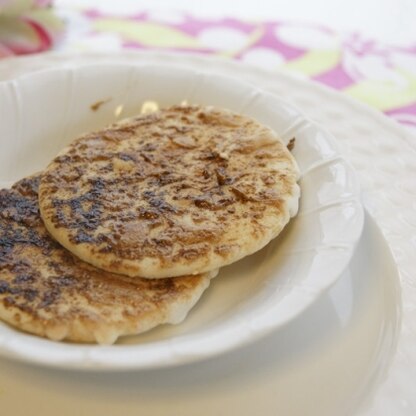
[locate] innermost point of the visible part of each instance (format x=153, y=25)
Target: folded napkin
x=28, y=26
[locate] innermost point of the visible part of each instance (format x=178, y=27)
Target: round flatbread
x=179, y=191
x=47, y=291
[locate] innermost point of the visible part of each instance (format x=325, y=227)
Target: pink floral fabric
x=380, y=75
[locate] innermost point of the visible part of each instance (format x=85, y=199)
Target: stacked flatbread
x=126, y=226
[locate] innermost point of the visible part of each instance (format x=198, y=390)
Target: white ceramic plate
x=40, y=113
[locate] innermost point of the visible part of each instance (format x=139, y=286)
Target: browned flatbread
x=180, y=191
x=47, y=291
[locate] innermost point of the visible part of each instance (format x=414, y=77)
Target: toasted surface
x=47, y=291
x=183, y=190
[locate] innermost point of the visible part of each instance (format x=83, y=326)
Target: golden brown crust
x=46, y=290
x=182, y=190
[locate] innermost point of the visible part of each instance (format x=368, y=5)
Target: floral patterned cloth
x=380, y=75
x=27, y=26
